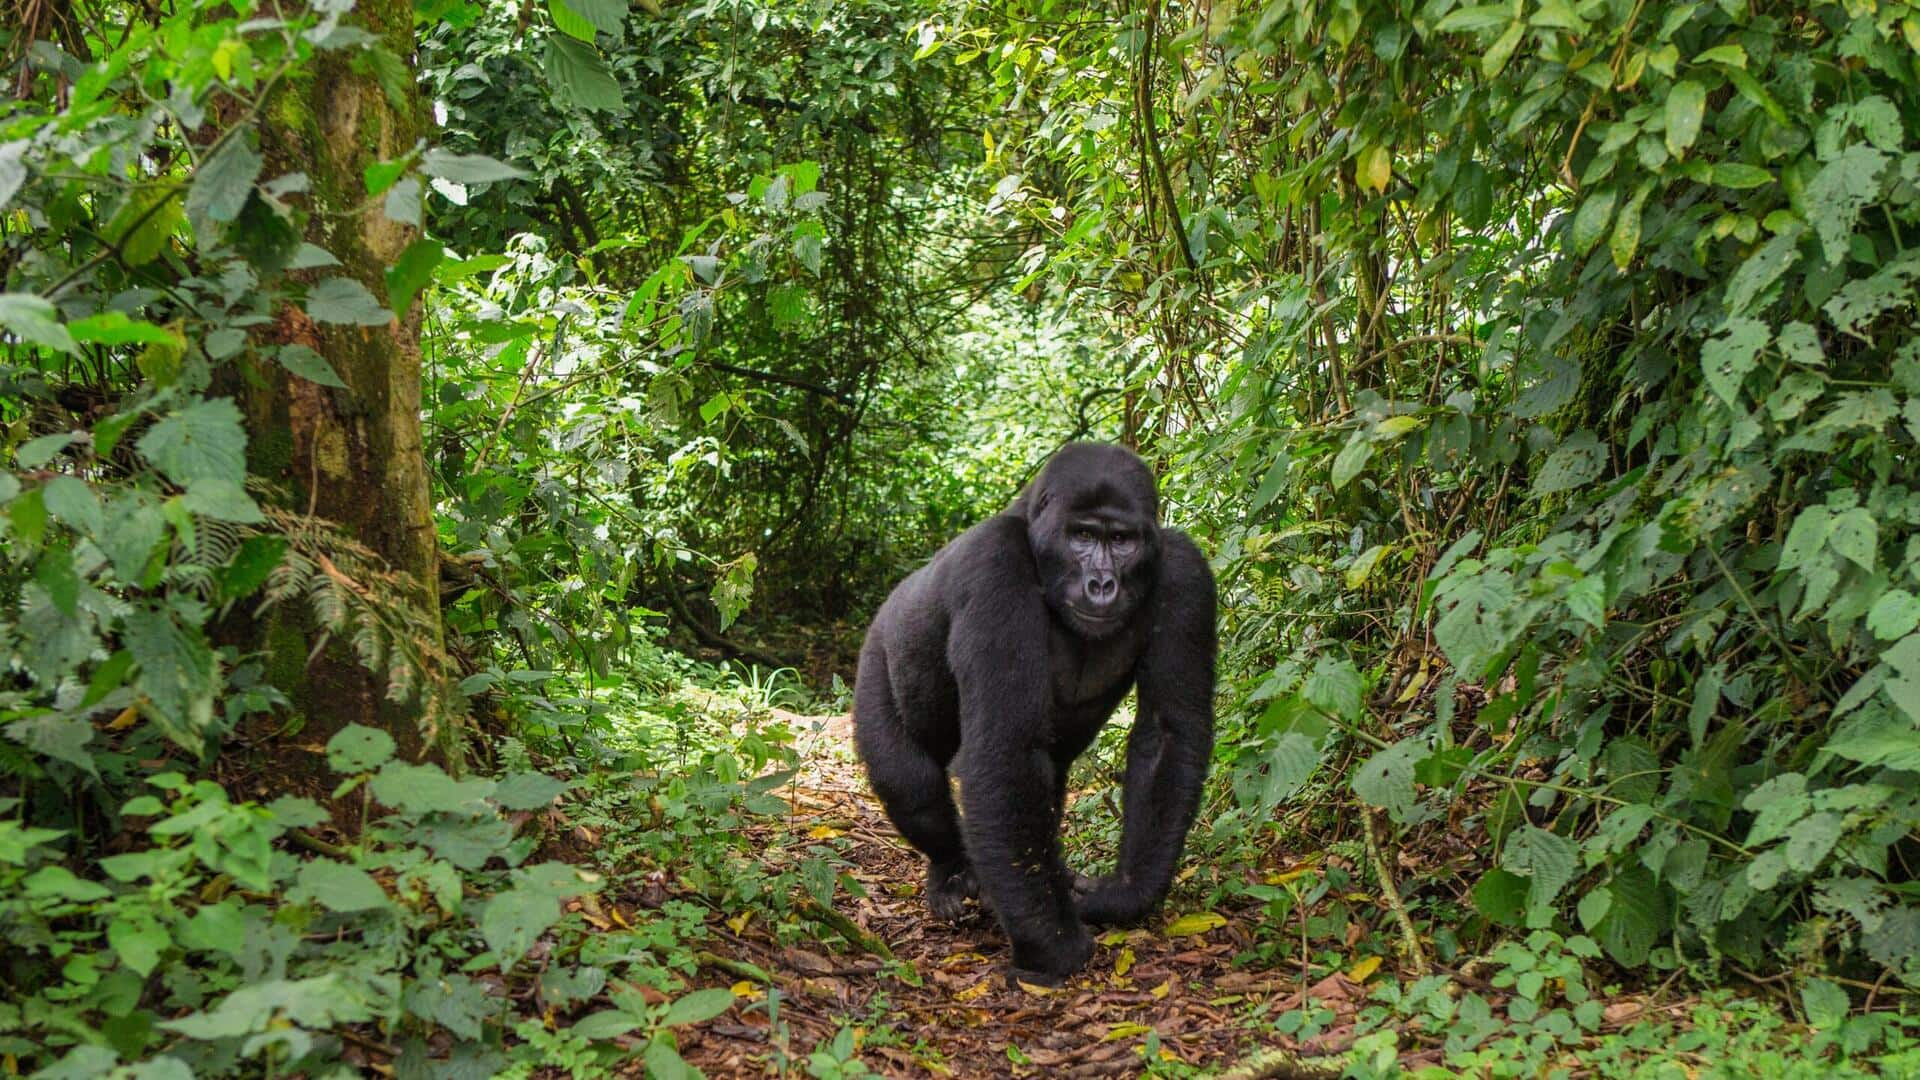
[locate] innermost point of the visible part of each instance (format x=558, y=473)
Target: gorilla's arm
x=998, y=651
x=1172, y=739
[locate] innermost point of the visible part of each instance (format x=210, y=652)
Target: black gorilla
x=1002, y=658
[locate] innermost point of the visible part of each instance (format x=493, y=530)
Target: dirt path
x=963, y=1021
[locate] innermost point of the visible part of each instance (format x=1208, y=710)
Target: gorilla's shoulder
x=994, y=546
x=1182, y=561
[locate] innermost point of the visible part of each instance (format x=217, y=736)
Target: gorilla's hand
x=1111, y=900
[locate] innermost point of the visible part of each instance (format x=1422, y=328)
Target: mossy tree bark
x=354, y=457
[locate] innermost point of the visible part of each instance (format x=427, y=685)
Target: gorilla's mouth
x=1094, y=621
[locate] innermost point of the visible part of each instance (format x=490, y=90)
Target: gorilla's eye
x=1082, y=534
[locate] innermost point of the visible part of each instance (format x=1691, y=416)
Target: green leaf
x=34, y=321
x=1876, y=738
x=222, y=501
x=1855, y=535
x=357, y=748
x=145, y=224
x=1386, y=780
x=71, y=501
x=308, y=364
x=402, y=203
x=114, y=328
x=1591, y=221
x=1895, y=615
x=663, y=1062
x=1575, y=463
x=468, y=168
x=1810, y=839
x=1547, y=860
x=1837, y=194
x=1335, y=687
x=1291, y=762
x=59, y=883
x=528, y=791
x=579, y=76
x=1740, y=176
x=606, y=1024
x=1686, y=106
x=259, y=556
x=425, y=789
x=1501, y=897
x=223, y=182
x=514, y=920
x=698, y=1007
x=1475, y=19
x=1636, y=917
x=1826, y=1004
x=379, y=177
x=1351, y=459
x=570, y=22
x=1761, y=269
x=1728, y=358
x=339, y=887
x=177, y=673
x=1497, y=54
x=200, y=443
x=140, y=942
x=344, y=300
x=411, y=272
x=1626, y=232
x=62, y=738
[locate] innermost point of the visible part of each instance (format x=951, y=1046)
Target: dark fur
x=980, y=661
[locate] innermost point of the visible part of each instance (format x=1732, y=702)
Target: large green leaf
x=203, y=442
x=579, y=76
x=223, y=182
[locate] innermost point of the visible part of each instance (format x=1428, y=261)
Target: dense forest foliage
x=448, y=451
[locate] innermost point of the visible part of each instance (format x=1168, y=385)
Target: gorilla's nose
x=1102, y=589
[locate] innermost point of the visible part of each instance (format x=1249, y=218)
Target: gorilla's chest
x=1091, y=673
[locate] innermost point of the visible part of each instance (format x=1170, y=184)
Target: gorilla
x=1001, y=659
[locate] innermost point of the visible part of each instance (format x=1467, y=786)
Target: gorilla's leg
x=912, y=786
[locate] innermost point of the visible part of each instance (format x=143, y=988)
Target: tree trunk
x=353, y=457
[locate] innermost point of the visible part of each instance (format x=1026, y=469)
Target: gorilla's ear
x=1030, y=502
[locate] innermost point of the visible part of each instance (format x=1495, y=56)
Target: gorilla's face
x=1095, y=538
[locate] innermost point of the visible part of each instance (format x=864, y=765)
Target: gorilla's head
x=1092, y=519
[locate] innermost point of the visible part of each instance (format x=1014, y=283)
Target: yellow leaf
x=976, y=991
x=1294, y=874
x=1197, y=923
x=1374, y=168
x=1113, y=937
x=744, y=989
x=824, y=832
x=1123, y=963
x=738, y=924
x=1162, y=990
x=619, y=918
x=1360, y=971
x=1035, y=988
x=1124, y=1031
x=125, y=720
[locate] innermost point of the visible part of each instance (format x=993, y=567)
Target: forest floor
x=1172, y=993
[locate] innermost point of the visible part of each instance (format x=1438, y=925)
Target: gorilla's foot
x=1111, y=901
x=949, y=889
x=1053, y=962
